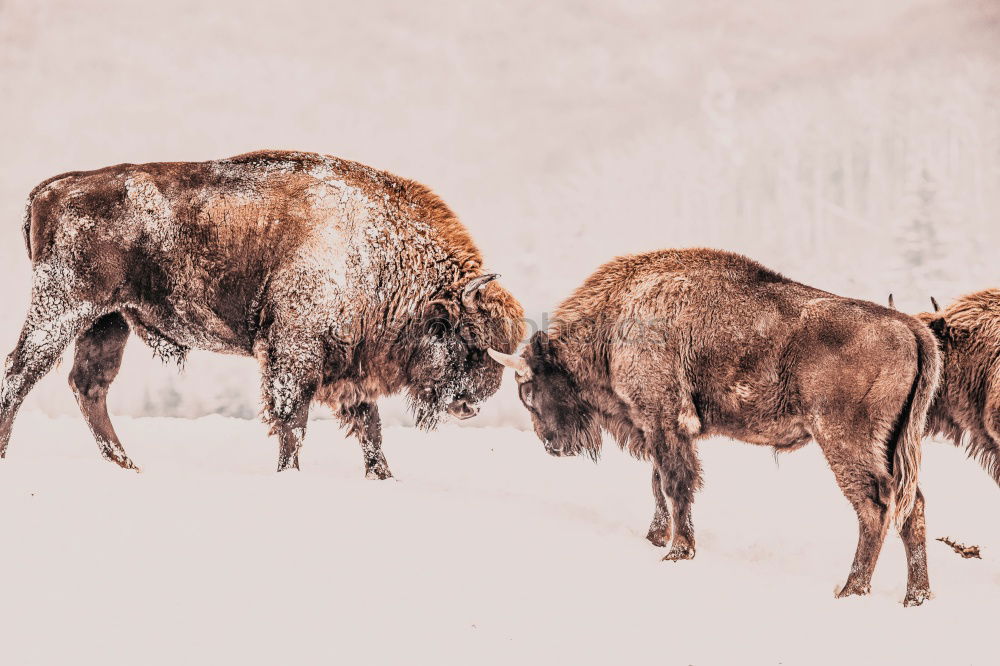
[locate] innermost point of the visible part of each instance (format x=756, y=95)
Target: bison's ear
x=939, y=326
x=543, y=347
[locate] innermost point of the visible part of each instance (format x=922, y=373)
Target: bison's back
x=751, y=346
x=253, y=209
x=190, y=247
x=196, y=248
x=715, y=293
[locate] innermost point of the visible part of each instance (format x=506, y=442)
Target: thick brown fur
x=345, y=282
x=966, y=409
x=665, y=348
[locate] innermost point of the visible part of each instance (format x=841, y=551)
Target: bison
x=345, y=282
x=665, y=348
x=966, y=409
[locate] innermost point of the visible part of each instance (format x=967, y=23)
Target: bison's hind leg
x=52, y=323
x=865, y=481
x=98, y=357
x=914, y=533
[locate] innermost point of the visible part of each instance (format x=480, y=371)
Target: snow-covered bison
x=661, y=349
x=966, y=408
x=345, y=282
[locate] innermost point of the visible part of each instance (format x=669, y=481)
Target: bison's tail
x=26, y=228
x=29, y=206
x=28, y=213
x=905, y=450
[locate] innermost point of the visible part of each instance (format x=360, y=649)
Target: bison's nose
x=461, y=409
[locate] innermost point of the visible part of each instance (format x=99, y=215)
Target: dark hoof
x=678, y=553
x=854, y=591
x=916, y=597
x=126, y=463
x=378, y=473
x=658, y=538
x=121, y=460
x=288, y=464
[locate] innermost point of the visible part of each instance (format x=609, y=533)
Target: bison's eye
x=476, y=356
x=438, y=328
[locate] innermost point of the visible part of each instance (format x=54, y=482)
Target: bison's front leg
x=659, y=528
x=365, y=424
x=680, y=476
x=291, y=432
x=290, y=380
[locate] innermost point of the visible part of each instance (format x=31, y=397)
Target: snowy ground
x=484, y=550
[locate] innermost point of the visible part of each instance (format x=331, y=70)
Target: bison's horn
x=519, y=365
x=892, y=303
x=471, y=289
x=934, y=303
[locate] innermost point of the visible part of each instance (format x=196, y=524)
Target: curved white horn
x=516, y=362
x=473, y=287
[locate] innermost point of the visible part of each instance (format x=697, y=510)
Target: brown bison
x=664, y=348
x=345, y=282
x=966, y=409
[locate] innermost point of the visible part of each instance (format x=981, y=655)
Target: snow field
x=484, y=550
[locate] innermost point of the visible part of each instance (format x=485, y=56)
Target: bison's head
x=449, y=370
x=563, y=419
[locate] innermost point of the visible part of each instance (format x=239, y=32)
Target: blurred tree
x=923, y=248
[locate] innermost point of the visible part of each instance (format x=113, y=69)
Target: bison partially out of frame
x=664, y=348
x=966, y=409
x=345, y=282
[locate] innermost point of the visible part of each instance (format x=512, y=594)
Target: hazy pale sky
x=809, y=135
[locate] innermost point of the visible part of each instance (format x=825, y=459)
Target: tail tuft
x=913, y=420
x=26, y=227
x=28, y=207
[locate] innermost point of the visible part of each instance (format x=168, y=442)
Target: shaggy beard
x=589, y=442
x=426, y=412
x=583, y=439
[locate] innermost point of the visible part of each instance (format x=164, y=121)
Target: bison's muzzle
x=551, y=449
x=461, y=409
